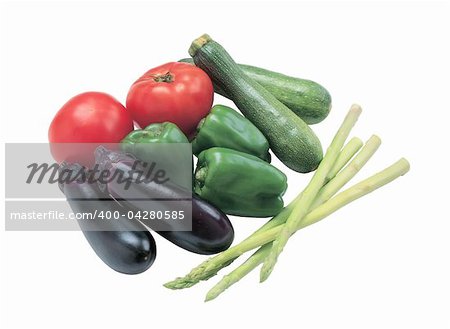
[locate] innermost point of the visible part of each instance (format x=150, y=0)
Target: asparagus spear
x=349, y=150
x=212, y=265
x=324, y=195
x=330, y=189
x=228, y=280
x=309, y=194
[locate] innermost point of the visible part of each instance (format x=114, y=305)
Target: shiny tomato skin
x=180, y=93
x=90, y=117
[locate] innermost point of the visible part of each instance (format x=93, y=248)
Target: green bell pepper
x=239, y=183
x=137, y=143
x=165, y=132
x=224, y=127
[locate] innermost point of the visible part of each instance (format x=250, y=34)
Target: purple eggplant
x=211, y=231
x=125, y=245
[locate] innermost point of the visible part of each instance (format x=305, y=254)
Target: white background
x=381, y=262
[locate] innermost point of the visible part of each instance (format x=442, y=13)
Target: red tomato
x=91, y=117
x=180, y=93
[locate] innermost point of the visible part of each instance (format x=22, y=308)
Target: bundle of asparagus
x=318, y=200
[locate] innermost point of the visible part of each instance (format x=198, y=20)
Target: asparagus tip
x=170, y=285
x=210, y=296
x=266, y=269
x=178, y=283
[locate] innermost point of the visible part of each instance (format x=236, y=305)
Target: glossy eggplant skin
x=128, y=247
x=212, y=231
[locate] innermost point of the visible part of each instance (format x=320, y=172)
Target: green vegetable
x=211, y=266
x=137, y=143
x=224, y=127
x=312, y=189
x=262, y=253
x=350, y=149
x=239, y=183
x=165, y=132
x=306, y=98
x=290, y=138
x=323, y=205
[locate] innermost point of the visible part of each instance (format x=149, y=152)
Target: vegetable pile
x=233, y=175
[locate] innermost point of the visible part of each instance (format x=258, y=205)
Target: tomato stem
x=167, y=77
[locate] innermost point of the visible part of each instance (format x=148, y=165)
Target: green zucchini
x=306, y=98
x=290, y=138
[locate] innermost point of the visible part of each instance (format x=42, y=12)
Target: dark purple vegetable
x=211, y=232
x=127, y=246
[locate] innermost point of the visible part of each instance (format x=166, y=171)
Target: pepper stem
x=200, y=124
x=154, y=130
x=200, y=176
